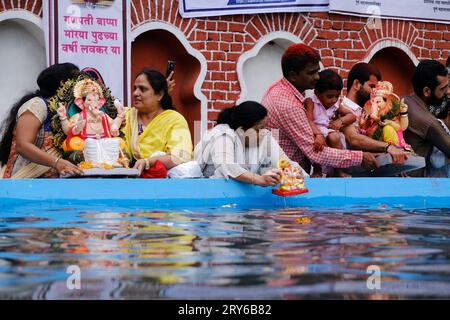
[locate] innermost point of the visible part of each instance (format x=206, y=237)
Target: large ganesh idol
x=385, y=116
x=86, y=124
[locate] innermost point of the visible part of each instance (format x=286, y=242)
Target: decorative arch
x=283, y=38
x=149, y=26
x=388, y=43
x=29, y=21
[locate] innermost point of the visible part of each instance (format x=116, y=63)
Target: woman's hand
x=64, y=167
x=140, y=165
x=144, y=164
x=270, y=178
x=170, y=82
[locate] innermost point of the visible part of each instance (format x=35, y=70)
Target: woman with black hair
x=239, y=147
x=157, y=136
x=26, y=147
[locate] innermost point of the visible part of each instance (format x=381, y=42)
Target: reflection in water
x=224, y=253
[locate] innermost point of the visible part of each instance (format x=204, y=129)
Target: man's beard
x=441, y=110
x=434, y=101
x=362, y=97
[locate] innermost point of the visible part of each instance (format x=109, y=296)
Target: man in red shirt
x=284, y=101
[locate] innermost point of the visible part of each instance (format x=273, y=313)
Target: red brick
x=435, y=54
x=235, y=86
x=212, y=46
x=207, y=85
x=343, y=35
x=213, y=36
x=198, y=45
x=425, y=53
x=219, y=55
x=327, y=24
x=200, y=36
x=201, y=24
x=222, y=26
x=238, y=38
x=236, y=47
x=227, y=37
x=228, y=66
x=218, y=95
x=234, y=27
x=338, y=25
x=251, y=29
x=326, y=52
x=433, y=35
x=233, y=56
x=231, y=76
x=208, y=55
x=365, y=39
x=352, y=26
x=442, y=45
x=327, y=34
x=239, y=18
x=225, y=86
x=339, y=53
x=233, y=96
x=224, y=46
x=327, y=62
x=346, y=44
x=211, y=25
x=358, y=45
x=355, y=55
x=212, y=65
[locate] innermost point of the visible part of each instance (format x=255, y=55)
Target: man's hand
x=319, y=142
x=399, y=156
x=369, y=161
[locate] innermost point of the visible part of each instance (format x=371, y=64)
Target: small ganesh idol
x=91, y=130
x=292, y=182
x=385, y=116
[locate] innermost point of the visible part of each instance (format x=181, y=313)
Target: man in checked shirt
x=284, y=101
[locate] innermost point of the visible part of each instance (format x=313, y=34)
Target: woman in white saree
x=239, y=147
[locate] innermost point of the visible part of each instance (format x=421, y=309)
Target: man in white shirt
x=362, y=78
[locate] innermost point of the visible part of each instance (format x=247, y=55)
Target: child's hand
x=319, y=142
x=336, y=124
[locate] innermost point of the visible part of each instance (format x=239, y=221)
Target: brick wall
x=341, y=40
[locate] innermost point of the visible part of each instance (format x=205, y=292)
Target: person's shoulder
x=35, y=105
x=175, y=115
x=36, y=102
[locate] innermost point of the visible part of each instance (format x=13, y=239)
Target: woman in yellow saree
x=157, y=136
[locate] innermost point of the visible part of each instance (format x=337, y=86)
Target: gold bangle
x=56, y=162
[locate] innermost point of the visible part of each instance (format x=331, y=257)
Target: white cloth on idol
x=101, y=150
